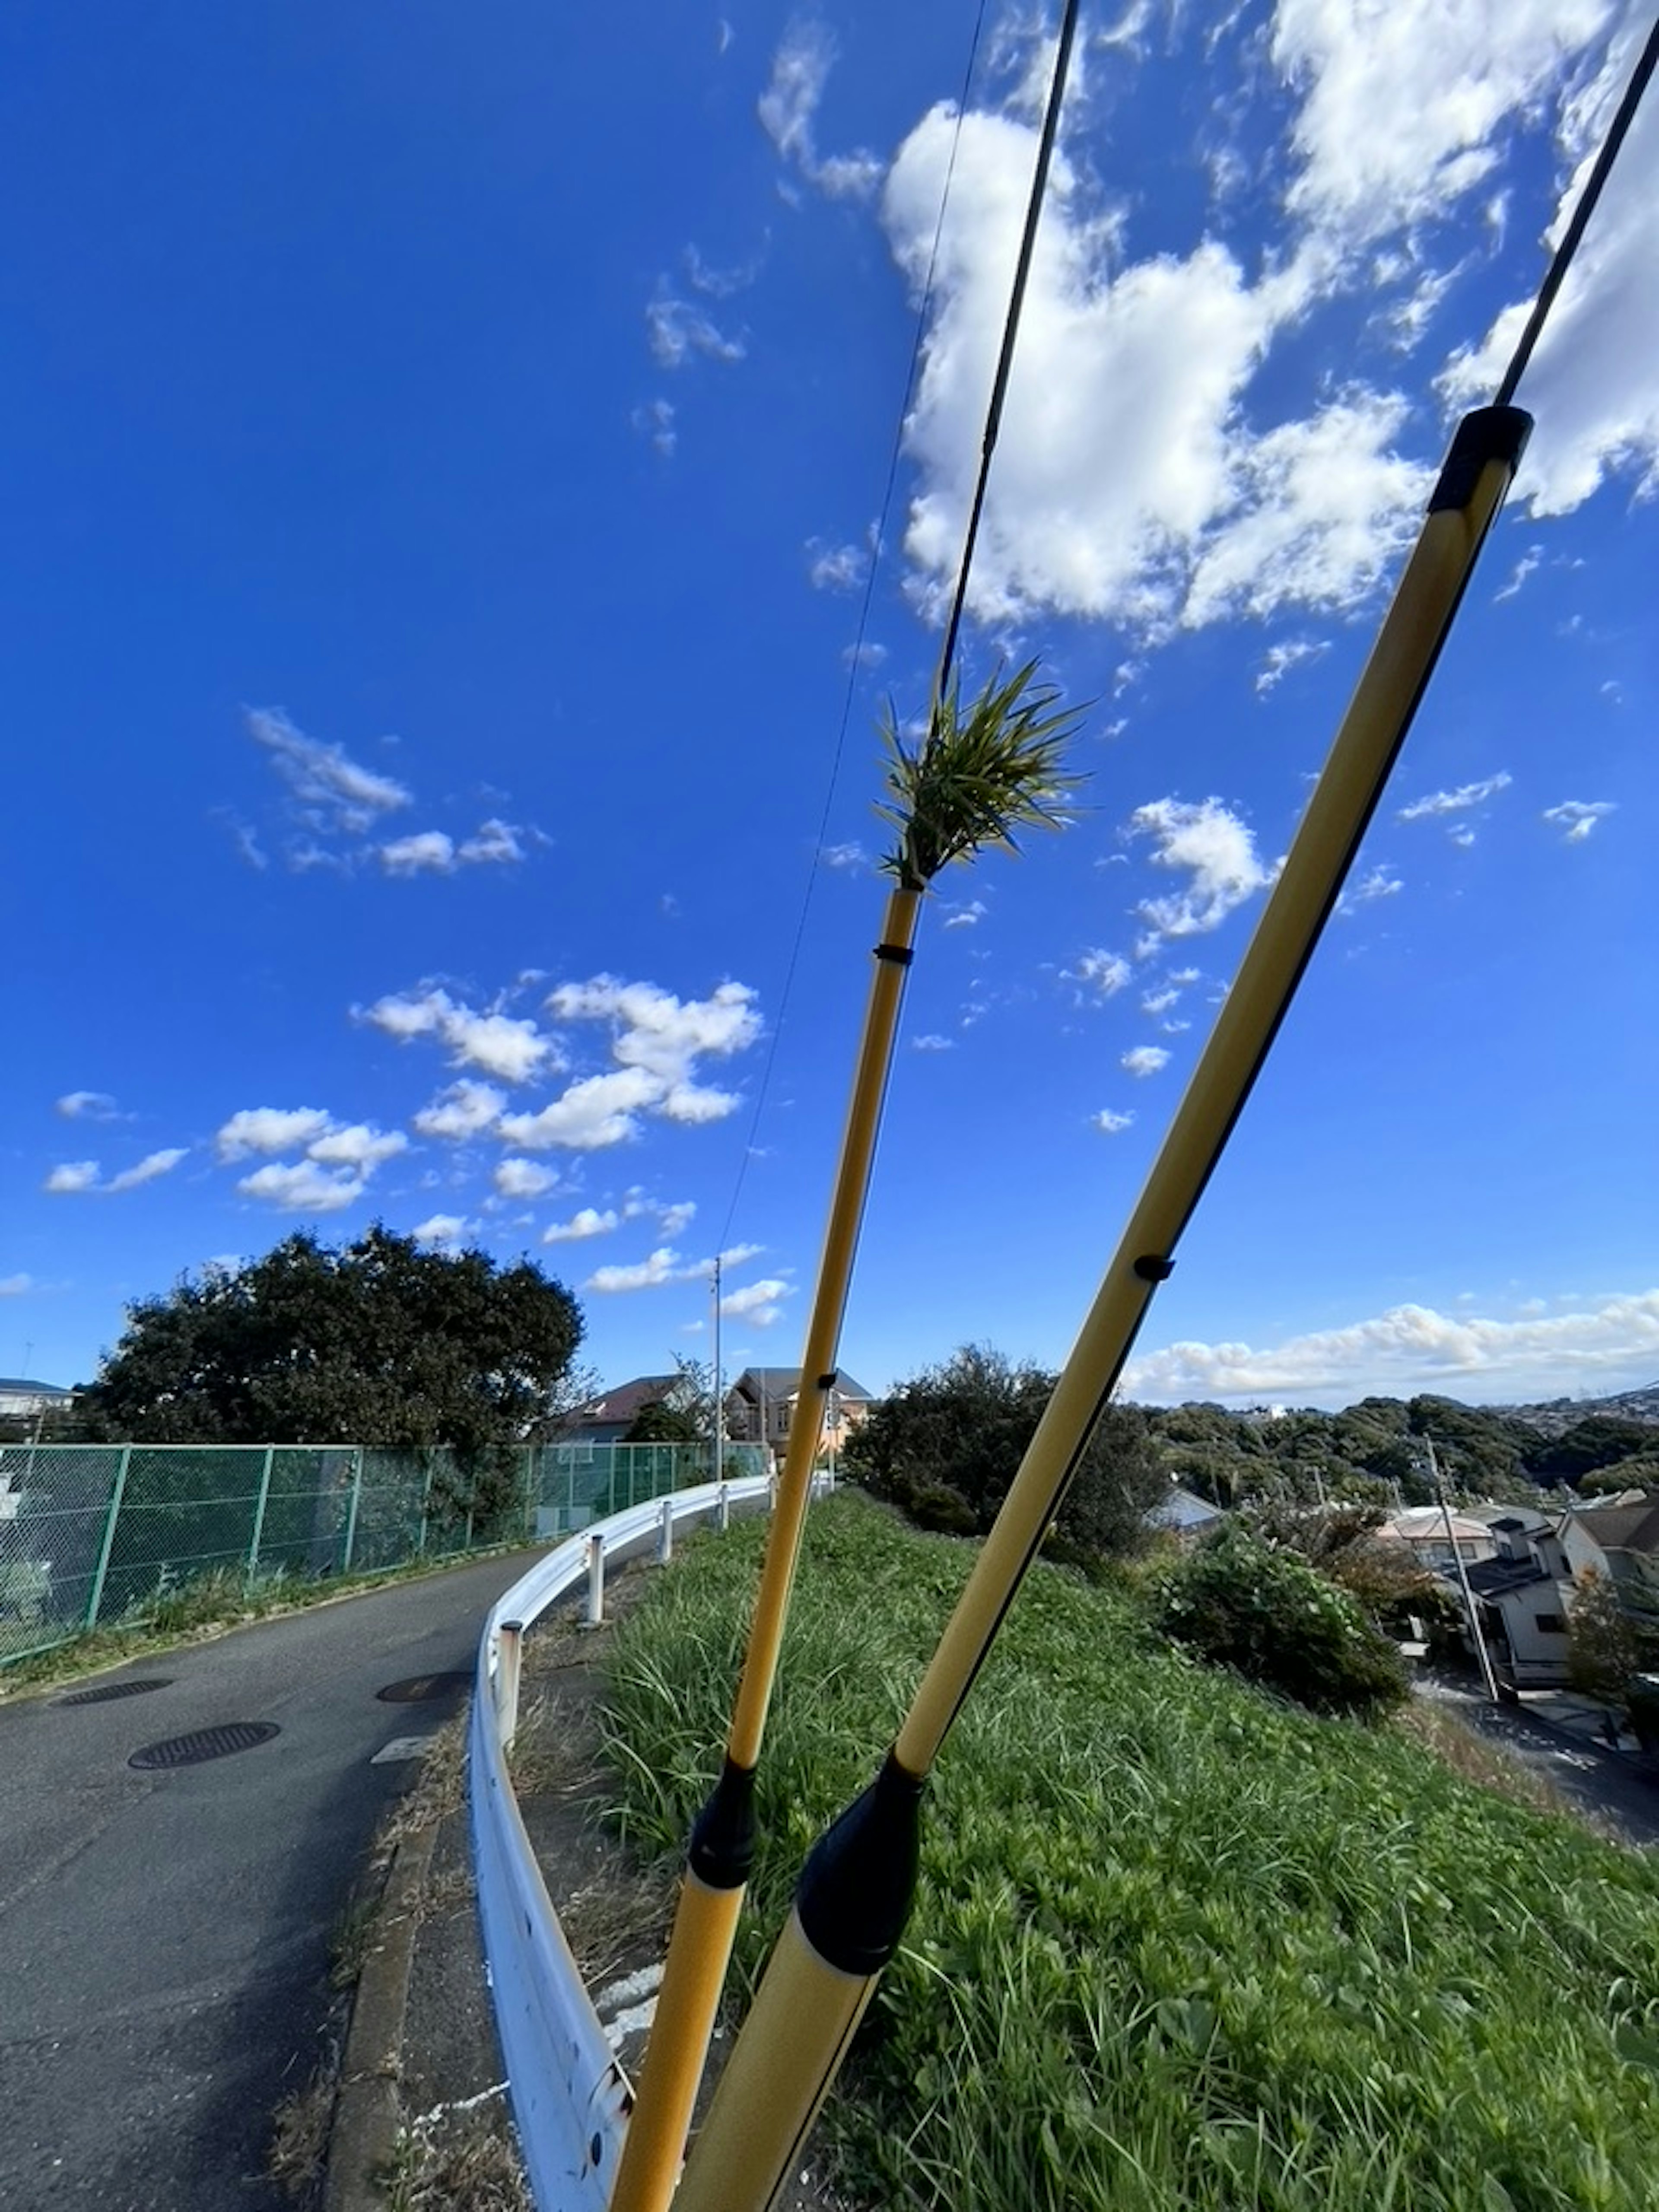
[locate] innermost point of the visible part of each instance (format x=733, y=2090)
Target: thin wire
x=856, y=653
x=1005, y=358
x=1581, y=216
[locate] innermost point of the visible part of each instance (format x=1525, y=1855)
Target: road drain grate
x=111, y=1690
x=205, y=1743
x=422, y=1689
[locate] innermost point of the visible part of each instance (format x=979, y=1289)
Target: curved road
x=164, y=1936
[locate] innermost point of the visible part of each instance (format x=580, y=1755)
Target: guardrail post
x=260, y=1518
x=108, y=1544
x=509, y=1659
x=771, y=1493
x=665, y=1533
x=723, y=1509
x=595, y=1615
x=352, y=1510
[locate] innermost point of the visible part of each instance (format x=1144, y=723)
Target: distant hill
x=1554, y=1415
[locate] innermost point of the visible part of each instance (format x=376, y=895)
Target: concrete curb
x=363, y=2133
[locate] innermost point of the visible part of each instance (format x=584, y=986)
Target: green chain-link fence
x=93, y=1533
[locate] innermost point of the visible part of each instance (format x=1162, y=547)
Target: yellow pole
x=722, y=1841
x=854, y=1894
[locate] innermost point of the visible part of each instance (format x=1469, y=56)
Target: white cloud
x=761, y=1303
x=494, y=844
x=72, y=1176
x=1524, y=567
x=332, y=791
x=596, y=1111
x=152, y=1165
x=502, y=1045
x=851, y=856
x=965, y=913
x=1281, y=658
x=1437, y=803
x=1400, y=105
x=932, y=1042
x=1144, y=1059
x=836, y=568
x=303, y=1187
x=429, y=851
x=1576, y=817
x=1215, y=849
x=515, y=1178
x=655, y=421
x=1591, y=383
x=466, y=1109
x=662, y=1267
x=788, y=113
x=587, y=1221
x=357, y=1145
x=443, y=1231
x=87, y=1106
x=271, y=1129
x=672, y=1216
x=1409, y=1348
x=678, y=1217
x=674, y=329
x=1112, y=1123
x=15, y=1287
x=1376, y=884
x=1107, y=972
x=1159, y=1002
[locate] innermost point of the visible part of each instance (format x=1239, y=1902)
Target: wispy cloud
x=435, y=852
x=1113, y=1124
x=676, y=330
x=332, y=791
x=836, y=568
x=933, y=1042
x=87, y=1106
x=15, y=1287
x=1377, y=884
x=1525, y=568
x=849, y=855
x=1106, y=972
x=1281, y=659
x=788, y=113
x=1575, y=817
x=74, y=1176
x=153, y=1165
x=655, y=423
x=1437, y=803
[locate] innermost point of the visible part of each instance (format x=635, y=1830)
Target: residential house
x=1521, y=1594
x=1423, y=1529
x=760, y=1407
x=22, y=1400
x=1621, y=1542
x=1183, y=1515
x=607, y=1419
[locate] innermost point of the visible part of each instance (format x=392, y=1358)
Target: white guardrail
x=571, y=2096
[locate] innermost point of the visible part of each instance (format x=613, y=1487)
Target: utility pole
x=1475, y=1629
x=719, y=1402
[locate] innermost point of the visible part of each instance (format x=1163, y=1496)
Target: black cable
x=856, y=653
x=1581, y=216
x=1005, y=358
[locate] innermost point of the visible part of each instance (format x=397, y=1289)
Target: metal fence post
x=259, y=1517
x=426, y=1509
x=509, y=1659
x=595, y=1616
x=108, y=1544
x=530, y=1493
x=665, y=1533
x=723, y=1509
x=352, y=1510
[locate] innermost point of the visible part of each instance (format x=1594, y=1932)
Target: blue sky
x=444, y=455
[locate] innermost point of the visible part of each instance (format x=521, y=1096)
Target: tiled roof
x=785, y=1382
x=626, y=1401
x=1622, y=1528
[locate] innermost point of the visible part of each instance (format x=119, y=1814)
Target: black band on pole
x=827, y=1382
x=900, y=955
x=722, y=1851
x=1153, y=1268
x=856, y=1889
x=1489, y=433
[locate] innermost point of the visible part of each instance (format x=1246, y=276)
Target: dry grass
x=438, y=1790
x=609, y=1923
x=299, y=2135
x=553, y=1754
x=465, y=2162
x=1475, y=1758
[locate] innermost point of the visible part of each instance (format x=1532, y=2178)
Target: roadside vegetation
x=1179, y=1945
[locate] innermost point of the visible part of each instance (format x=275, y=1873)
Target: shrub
x=1275, y=1619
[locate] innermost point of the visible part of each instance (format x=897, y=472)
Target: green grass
x=1177, y=1945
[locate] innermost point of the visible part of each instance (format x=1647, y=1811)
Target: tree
x=684, y=1414
x=1603, y=1653
x=377, y=1342
x=947, y=1443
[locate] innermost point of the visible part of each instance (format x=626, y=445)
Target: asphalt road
x=1608, y=1783
x=164, y=1936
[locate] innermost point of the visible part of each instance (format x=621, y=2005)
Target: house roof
x=1421, y=1523
x=12, y=1382
x=1181, y=1509
x=626, y=1401
x=1621, y=1527
x=785, y=1383
x=1497, y=1578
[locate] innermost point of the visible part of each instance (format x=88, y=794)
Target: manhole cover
x=421, y=1689
x=110, y=1691
x=205, y=1743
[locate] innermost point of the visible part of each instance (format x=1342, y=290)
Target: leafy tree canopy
x=946, y=1444
x=377, y=1342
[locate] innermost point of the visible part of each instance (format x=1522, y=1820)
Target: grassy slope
x=1177, y=1945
